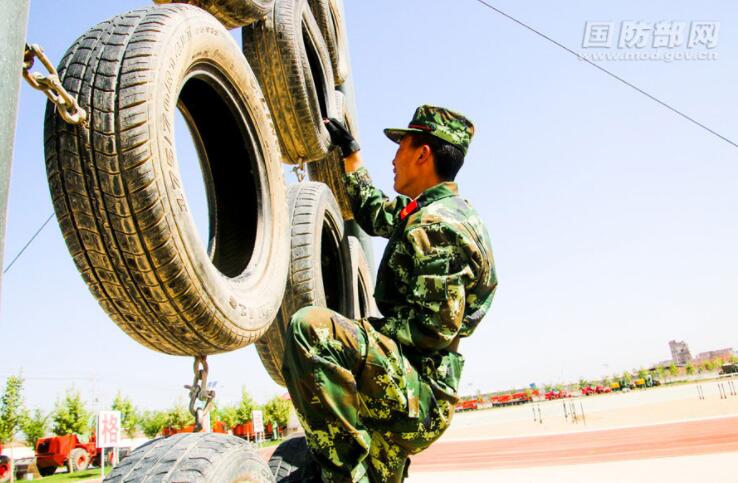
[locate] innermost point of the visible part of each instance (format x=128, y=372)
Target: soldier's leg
x=323, y=353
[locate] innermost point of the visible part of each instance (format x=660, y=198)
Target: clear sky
x=614, y=222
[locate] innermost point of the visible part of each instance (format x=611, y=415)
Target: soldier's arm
x=436, y=293
x=373, y=210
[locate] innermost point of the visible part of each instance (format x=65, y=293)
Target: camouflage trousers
x=363, y=406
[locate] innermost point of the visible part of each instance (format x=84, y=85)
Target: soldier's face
x=405, y=167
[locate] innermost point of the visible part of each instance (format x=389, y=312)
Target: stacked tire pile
x=119, y=199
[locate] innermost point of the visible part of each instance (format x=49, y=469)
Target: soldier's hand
x=341, y=137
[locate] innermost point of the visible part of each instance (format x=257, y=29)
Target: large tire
x=291, y=60
x=78, y=460
x=291, y=462
x=361, y=276
x=330, y=170
x=118, y=196
x=231, y=13
x=47, y=470
x=329, y=15
x=194, y=458
x=320, y=267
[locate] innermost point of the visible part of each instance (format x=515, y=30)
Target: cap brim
x=396, y=135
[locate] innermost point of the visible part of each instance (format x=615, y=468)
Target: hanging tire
x=194, y=458
x=329, y=15
x=291, y=60
x=363, y=287
x=329, y=170
x=231, y=13
x=78, y=460
x=292, y=462
x=118, y=196
x=319, y=272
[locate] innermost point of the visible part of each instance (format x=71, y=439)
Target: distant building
x=680, y=352
x=724, y=354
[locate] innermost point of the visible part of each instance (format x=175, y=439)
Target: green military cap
x=440, y=122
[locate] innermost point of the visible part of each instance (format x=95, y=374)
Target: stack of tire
x=272, y=248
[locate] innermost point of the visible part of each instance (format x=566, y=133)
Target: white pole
x=102, y=463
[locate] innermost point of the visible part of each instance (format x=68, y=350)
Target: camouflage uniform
x=371, y=392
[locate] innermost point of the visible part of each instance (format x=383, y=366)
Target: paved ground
x=636, y=443
x=713, y=468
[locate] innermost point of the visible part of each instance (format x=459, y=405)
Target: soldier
x=369, y=393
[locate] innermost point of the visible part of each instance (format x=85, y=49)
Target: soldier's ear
x=424, y=154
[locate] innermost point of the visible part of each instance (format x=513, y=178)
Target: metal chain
x=199, y=392
x=299, y=170
x=66, y=105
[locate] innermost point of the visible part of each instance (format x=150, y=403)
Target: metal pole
x=13, y=21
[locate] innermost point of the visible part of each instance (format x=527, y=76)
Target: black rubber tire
x=47, y=470
x=78, y=460
x=291, y=462
x=231, y=13
x=317, y=276
x=361, y=276
x=119, y=199
x=194, y=458
x=329, y=170
x=291, y=60
x=330, y=17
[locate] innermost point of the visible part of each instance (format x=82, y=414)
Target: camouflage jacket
x=437, y=277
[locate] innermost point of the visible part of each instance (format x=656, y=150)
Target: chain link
x=299, y=170
x=66, y=105
x=199, y=392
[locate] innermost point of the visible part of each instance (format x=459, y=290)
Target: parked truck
x=67, y=450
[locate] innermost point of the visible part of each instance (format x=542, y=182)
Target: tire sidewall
x=240, y=301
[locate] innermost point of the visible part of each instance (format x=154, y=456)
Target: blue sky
x=613, y=221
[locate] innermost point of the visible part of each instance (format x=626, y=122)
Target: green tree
x=152, y=422
x=547, y=387
x=11, y=408
x=277, y=411
x=128, y=415
x=178, y=417
x=35, y=427
x=627, y=377
x=244, y=412
x=674, y=370
x=642, y=373
x=583, y=383
x=660, y=373
x=734, y=359
x=690, y=368
x=606, y=381
x=228, y=415
x=71, y=416
x=708, y=365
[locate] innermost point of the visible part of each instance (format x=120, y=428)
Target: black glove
x=341, y=137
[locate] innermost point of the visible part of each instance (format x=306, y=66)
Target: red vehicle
x=4, y=466
x=556, y=394
x=67, y=450
x=468, y=405
x=217, y=427
x=246, y=430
